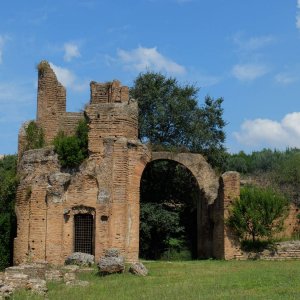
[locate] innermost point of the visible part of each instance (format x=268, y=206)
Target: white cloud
x=298, y=21
x=285, y=78
x=141, y=58
x=248, y=72
x=2, y=42
x=292, y=123
x=71, y=51
x=253, y=43
x=65, y=76
x=298, y=15
x=269, y=133
x=68, y=79
x=204, y=80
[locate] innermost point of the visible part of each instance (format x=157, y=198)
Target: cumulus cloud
x=285, y=78
x=270, y=133
x=248, y=72
x=71, y=51
x=68, y=79
x=141, y=58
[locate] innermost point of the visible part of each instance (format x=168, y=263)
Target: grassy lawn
x=190, y=280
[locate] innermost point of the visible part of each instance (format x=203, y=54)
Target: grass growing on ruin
x=190, y=280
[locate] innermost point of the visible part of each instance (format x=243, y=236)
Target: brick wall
x=106, y=186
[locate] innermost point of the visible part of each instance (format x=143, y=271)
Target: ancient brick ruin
x=97, y=207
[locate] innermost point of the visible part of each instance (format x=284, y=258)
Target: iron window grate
x=83, y=233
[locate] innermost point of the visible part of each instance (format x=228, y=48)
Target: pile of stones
x=113, y=262
x=34, y=277
x=28, y=276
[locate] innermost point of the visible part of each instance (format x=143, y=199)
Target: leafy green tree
x=8, y=187
x=237, y=163
x=169, y=116
x=158, y=225
x=72, y=150
x=286, y=174
x=279, y=169
x=259, y=213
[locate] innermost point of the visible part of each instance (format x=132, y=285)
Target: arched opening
x=84, y=233
x=170, y=200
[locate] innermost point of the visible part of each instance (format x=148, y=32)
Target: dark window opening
x=84, y=233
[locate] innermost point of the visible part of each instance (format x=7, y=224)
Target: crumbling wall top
x=109, y=92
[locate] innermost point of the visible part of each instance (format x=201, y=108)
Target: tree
x=8, y=187
x=259, y=213
x=169, y=116
x=158, y=225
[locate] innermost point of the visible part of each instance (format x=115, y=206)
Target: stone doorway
x=84, y=233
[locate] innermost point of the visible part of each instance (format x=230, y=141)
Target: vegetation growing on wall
x=72, y=150
x=259, y=213
x=42, y=67
x=8, y=186
x=34, y=136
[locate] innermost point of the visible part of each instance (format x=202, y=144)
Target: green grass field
x=189, y=280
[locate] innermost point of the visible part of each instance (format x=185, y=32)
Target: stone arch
x=206, y=177
x=208, y=183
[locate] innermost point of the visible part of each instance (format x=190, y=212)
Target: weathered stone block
x=110, y=265
x=138, y=269
x=80, y=259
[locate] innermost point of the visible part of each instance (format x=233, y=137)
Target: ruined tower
x=61, y=211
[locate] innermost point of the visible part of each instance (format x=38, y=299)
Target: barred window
x=84, y=233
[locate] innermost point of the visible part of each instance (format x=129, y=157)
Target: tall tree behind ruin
x=170, y=117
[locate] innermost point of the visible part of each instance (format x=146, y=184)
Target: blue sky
x=244, y=51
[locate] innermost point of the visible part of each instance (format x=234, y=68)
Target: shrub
x=68, y=150
x=34, y=136
x=72, y=150
x=82, y=131
x=259, y=213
